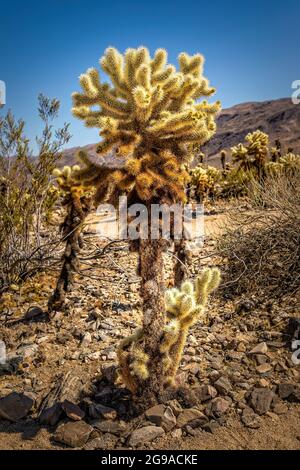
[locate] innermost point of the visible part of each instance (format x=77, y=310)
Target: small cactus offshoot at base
x=184, y=307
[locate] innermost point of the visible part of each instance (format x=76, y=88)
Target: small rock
x=72, y=411
x=264, y=368
x=51, y=415
x=250, y=419
x=100, y=411
x=206, y=392
x=280, y=408
x=289, y=391
x=162, y=416
x=261, y=359
x=223, y=385
x=175, y=406
x=217, y=407
x=177, y=433
x=261, y=348
x=105, y=442
x=15, y=406
x=211, y=427
x=144, y=435
x=285, y=390
x=261, y=399
x=111, y=427
x=263, y=383
x=244, y=306
x=86, y=339
x=73, y=434
x=188, y=415
x=33, y=312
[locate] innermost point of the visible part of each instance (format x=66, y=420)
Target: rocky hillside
x=280, y=119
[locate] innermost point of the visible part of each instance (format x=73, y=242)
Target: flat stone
x=112, y=427
x=250, y=419
x=105, y=442
x=223, y=385
x=264, y=368
x=188, y=415
x=15, y=406
x=51, y=415
x=72, y=411
x=73, y=434
x=100, y=411
x=205, y=392
x=261, y=348
x=143, y=435
x=162, y=415
x=260, y=400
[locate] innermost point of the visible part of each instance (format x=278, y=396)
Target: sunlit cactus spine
x=77, y=202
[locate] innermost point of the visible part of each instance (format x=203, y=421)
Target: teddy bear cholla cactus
x=77, y=202
x=252, y=156
x=205, y=180
x=150, y=114
x=183, y=308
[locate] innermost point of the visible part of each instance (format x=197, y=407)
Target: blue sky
x=251, y=47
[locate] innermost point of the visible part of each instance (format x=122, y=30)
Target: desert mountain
x=280, y=119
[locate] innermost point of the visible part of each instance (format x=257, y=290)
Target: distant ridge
x=280, y=119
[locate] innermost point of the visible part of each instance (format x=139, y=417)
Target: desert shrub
x=27, y=194
x=261, y=246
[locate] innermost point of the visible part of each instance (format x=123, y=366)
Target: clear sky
x=252, y=47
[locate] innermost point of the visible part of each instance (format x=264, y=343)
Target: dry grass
x=261, y=246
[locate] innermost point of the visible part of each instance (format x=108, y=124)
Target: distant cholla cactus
x=205, y=180
x=223, y=159
x=150, y=115
x=184, y=307
x=253, y=155
x=76, y=198
x=288, y=164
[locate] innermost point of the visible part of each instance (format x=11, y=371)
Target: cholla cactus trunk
x=181, y=262
x=223, y=159
x=152, y=292
x=77, y=202
x=77, y=210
